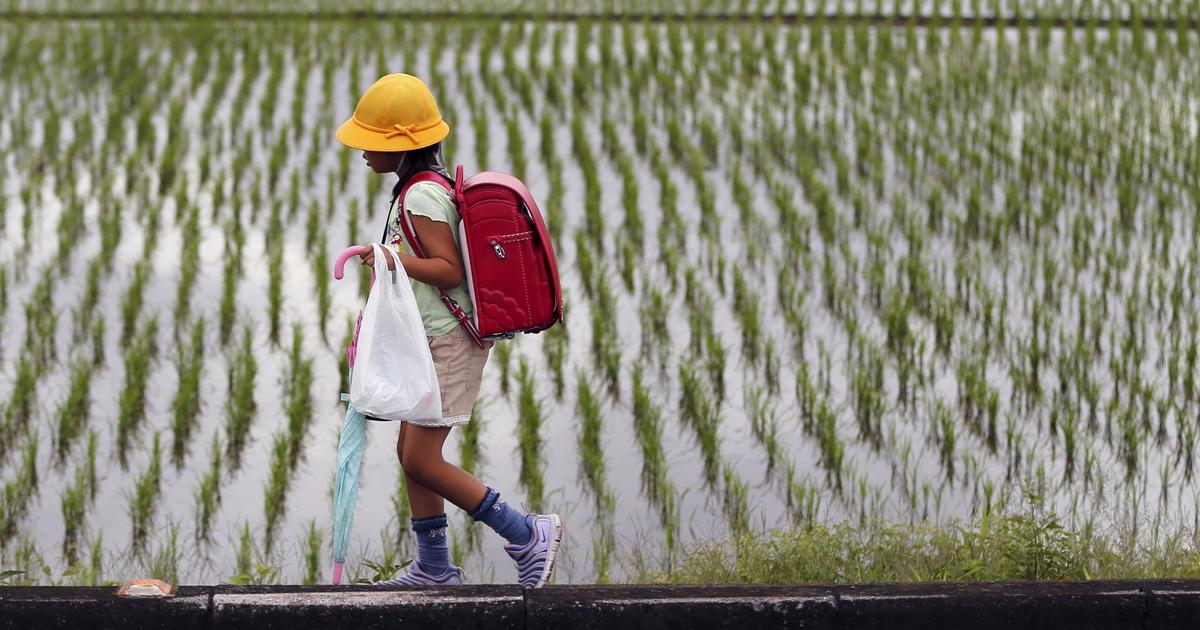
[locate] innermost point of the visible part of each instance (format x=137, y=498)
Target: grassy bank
x=1033, y=546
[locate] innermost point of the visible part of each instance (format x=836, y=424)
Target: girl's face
x=383, y=161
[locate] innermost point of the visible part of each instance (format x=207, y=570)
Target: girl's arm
x=442, y=268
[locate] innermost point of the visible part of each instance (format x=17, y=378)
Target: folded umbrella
x=351, y=444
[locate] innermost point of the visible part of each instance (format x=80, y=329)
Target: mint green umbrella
x=350, y=447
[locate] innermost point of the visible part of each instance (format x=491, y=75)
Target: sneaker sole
x=551, y=552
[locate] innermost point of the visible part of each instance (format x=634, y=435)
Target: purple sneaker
x=417, y=576
x=535, y=559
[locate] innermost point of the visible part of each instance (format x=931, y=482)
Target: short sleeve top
x=428, y=199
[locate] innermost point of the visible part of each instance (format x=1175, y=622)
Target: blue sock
x=432, y=548
x=509, y=522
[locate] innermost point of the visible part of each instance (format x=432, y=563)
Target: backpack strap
x=410, y=234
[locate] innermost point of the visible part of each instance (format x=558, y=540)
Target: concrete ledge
x=977, y=606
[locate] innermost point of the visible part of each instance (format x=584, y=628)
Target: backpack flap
x=513, y=276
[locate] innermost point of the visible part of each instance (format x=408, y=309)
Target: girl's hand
x=368, y=259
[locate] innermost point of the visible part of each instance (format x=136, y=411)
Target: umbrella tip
x=337, y=572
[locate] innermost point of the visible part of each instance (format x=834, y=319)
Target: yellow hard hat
x=397, y=113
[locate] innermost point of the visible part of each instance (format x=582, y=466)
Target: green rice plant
x=555, y=345
x=298, y=396
x=321, y=276
x=633, y=229
x=139, y=356
x=72, y=412
x=591, y=451
x=208, y=492
x=20, y=405
x=143, y=501
x=98, y=341
x=274, y=289
x=503, y=353
x=87, y=305
x=700, y=413
x=832, y=449
x=131, y=304
x=479, y=122
x=188, y=266
x=585, y=264
x=734, y=499
x=74, y=499
x=516, y=144
x=647, y=424
x=229, y=276
x=189, y=368
x=764, y=425
x=653, y=314
x=240, y=408
x=275, y=491
x=20, y=487
x=469, y=451
x=150, y=230
x=314, y=548
x=529, y=440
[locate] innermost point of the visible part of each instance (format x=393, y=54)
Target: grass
x=1029, y=545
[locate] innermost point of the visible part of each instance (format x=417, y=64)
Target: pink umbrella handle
x=337, y=572
x=340, y=264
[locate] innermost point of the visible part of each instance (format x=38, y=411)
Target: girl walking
x=399, y=129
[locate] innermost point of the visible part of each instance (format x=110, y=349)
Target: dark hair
x=424, y=159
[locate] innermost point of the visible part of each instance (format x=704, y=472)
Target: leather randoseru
x=507, y=255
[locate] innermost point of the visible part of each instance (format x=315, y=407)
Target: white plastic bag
x=393, y=377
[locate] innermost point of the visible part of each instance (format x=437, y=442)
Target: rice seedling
x=321, y=276
x=298, y=396
x=189, y=367
x=529, y=440
x=469, y=451
x=275, y=490
x=131, y=305
x=208, y=492
x=18, y=490
x=503, y=353
x=74, y=500
x=590, y=449
x=73, y=411
x=98, y=329
x=240, y=409
x=143, y=501
x=188, y=266
x=139, y=356
x=701, y=415
x=314, y=548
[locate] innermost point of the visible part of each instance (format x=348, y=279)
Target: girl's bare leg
x=430, y=477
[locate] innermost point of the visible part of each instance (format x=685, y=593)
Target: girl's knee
x=420, y=466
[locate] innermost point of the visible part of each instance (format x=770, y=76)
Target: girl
x=399, y=129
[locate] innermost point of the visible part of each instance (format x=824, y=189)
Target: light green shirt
x=430, y=200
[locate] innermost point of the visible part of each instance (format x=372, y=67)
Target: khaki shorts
x=459, y=364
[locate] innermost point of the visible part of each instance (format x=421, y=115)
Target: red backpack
x=506, y=254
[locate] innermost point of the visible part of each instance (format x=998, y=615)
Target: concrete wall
x=1022, y=605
